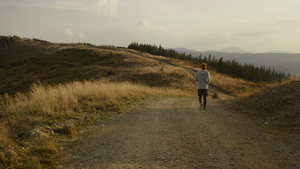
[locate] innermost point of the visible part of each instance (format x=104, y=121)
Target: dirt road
x=172, y=133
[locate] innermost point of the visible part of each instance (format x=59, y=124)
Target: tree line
x=5, y=41
x=231, y=67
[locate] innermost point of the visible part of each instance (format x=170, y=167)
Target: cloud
x=253, y=33
x=108, y=7
x=144, y=25
x=67, y=32
x=102, y=7
x=81, y=35
x=286, y=21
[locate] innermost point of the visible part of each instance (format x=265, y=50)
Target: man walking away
x=203, y=79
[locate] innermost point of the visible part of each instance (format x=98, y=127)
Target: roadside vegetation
x=29, y=122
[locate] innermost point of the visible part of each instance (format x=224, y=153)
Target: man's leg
x=200, y=96
x=204, y=98
x=200, y=93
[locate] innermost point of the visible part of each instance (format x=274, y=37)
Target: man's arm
x=208, y=78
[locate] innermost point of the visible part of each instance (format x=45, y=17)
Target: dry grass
x=240, y=87
x=223, y=82
x=77, y=63
x=234, y=86
x=61, y=101
x=277, y=106
x=46, y=104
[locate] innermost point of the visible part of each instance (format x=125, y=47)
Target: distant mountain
x=288, y=63
x=277, y=51
x=234, y=50
x=187, y=51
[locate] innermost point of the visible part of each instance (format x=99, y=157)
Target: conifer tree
x=232, y=68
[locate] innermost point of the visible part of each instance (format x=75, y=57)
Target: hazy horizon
x=251, y=25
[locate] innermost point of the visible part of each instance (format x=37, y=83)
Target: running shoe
x=201, y=107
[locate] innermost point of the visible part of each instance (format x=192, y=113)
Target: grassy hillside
x=50, y=90
x=223, y=82
x=30, y=61
x=68, y=62
x=277, y=106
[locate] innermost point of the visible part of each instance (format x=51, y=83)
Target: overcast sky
x=253, y=25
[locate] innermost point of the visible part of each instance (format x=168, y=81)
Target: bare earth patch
x=172, y=133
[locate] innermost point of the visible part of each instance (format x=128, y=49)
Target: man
x=203, y=79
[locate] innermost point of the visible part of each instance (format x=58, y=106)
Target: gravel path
x=173, y=133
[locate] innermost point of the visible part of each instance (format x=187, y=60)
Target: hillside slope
x=29, y=61
x=277, y=106
x=14, y=50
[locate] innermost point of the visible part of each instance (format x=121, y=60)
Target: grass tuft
x=69, y=129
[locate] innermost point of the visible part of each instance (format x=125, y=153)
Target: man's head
x=204, y=66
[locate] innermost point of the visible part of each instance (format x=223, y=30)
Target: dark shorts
x=202, y=92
